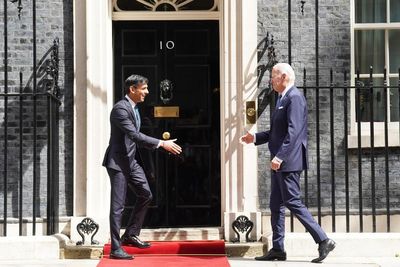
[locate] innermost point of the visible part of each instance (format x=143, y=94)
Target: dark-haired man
x=124, y=169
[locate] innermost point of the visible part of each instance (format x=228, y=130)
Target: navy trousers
x=137, y=181
x=285, y=192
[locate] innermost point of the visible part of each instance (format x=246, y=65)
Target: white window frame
x=379, y=127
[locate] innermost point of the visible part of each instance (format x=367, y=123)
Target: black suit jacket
x=125, y=138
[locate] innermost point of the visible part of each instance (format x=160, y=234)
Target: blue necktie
x=278, y=102
x=137, y=116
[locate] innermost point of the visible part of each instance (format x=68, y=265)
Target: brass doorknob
x=251, y=112
x=166, y=135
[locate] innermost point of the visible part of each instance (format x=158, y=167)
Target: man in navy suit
x=287, y=142
x=124, y=169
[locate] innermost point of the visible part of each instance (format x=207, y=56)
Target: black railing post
x=49, y=216
x=52, y=143
x=372, y=147
x=5, y=116
x=332, y=128
x=290, y=32
x=346, y=155
x=317, y=111
x=34, y=197
x=359, y=149
x=20, y=154
x=306, y=170
x=52, y=165
x=385, y=93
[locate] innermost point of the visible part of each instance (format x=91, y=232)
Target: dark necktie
x=137, y=116
x=278, y=102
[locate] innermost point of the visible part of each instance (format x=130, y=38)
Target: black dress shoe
x=324, y=248
x=120, y=254
x=134, y=241
x=272, y=255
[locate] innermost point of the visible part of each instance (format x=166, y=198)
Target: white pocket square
x=281, y=107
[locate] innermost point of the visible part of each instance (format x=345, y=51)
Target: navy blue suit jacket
x=287, y=137
x=125, y=137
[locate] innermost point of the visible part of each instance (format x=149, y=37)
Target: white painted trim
x=379, y=139
x=99, y=84
x=376, y=26
x=174, y=15
x=80, y=97
x=365, y=126
x=240, y=166
x=153, y=6
x=238, y=63
x=192, y=15
x=224, y=183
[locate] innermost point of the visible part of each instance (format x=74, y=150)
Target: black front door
x=181, y=60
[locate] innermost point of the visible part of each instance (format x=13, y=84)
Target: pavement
x=234, y=262
x=330, y=261
x=353, y=249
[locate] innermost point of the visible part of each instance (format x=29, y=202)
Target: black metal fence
x=358, y=178
x=354, y=161
x=29, y=136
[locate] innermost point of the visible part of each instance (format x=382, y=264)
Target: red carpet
x=167, y=261
x=172, y=254
x=178, y=247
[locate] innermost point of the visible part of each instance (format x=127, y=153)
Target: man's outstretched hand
x=171, y=146
x=248, y=138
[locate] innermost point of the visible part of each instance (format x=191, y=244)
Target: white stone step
x=175, y=234
x=49, y=263
x=29, y=248
x=347, y=244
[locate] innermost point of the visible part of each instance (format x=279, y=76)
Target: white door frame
x=238, y=84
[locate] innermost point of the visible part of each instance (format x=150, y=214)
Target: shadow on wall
x=21, y=174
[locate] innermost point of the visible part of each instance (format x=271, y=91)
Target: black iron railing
x=29, y=113
x=331, y=120
x=331, y=117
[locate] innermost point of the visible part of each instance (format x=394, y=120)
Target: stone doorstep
x=96, y=252
x=81, y=252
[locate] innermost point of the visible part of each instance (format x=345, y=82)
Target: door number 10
x=169, y=45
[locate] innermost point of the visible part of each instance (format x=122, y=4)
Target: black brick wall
x=54, y=20
x=334, y=52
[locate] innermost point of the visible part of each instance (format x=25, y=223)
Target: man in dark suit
x=124, y=169
x=287, y=142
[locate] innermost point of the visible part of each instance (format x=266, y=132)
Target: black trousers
x=137, y=181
